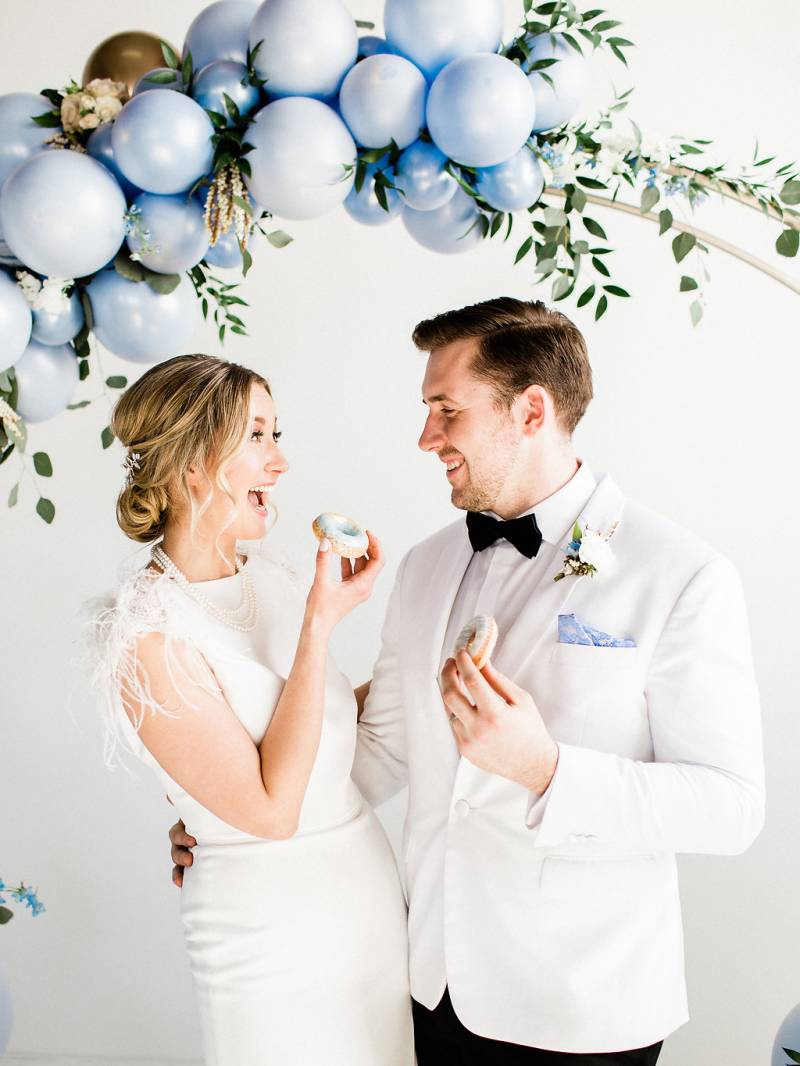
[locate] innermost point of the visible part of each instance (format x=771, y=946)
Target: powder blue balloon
x=220, y=31
x=481, y=110
x=144, y=84
x=15, y=322
x=422, y=177
x=162, y=142
x=302, y=148
x=363, y=206
x=99, y=147
x=570, y=77
x=138, y=324
x=221, y=77
x=176, y=232
x=47, y=376
x=307, y=46
x=20, y=137
x=58, y=327
x=788, y=1035
x=450, y=229
x=431, y=33
x=513, y=185
x=226, y=253
x=62, y=214
x=369, y=45
x=382, y=99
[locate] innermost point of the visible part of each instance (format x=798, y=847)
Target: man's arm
x=379, y=767
x=705, y=790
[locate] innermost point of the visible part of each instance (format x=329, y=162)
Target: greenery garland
x=586, y=164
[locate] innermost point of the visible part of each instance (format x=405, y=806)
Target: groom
x=616, y=725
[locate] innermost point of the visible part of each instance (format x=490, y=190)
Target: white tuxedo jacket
x=557, y=925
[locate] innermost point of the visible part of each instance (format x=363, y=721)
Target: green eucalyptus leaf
x=793, y=1055
x=45, y=509
x=788, y=243
x=592, y=183
x=5, y=382
x=116, y=382
x=362, y=25
x=163, y=77
x=163, y=284
x=83, y=369
x=5, y=915
x=50, y=120
x=600, y=267
x=42, y=464
x=682, y=245
x=169, y=56
x=586, y=296
x=578, y=199
x=523, y=250
x=13, y=496
x=696, y=312
x=107, y=437
x=128, y=268
x=555, y=217
x=594, y=228
x=616, y=290
x=561, y=287
x=279, y=238
x=600, y=310
x=687, y=283
x=78, y=406
x=650, y=197
x=790, y=193
x=664, y=221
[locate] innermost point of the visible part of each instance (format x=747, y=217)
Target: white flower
x=102, y=87
x=595, y=550
x=615, y=141
x=31, y=286
x=107, y=108
x=76, y=108
x=89, y=121
x=52, y=297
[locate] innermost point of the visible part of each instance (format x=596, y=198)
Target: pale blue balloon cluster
x=434, y=93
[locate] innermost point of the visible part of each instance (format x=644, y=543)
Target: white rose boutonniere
x=587, y=554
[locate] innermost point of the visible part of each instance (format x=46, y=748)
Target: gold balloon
x=124, y=57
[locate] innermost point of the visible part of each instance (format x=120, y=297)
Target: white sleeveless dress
x=298, y=948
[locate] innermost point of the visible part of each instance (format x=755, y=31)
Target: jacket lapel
x=601, y=513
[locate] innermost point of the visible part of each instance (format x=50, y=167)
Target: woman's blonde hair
x=182, y=413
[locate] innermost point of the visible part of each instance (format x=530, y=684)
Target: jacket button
x=462, y=808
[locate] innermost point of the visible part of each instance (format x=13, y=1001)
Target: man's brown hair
x=520, y=343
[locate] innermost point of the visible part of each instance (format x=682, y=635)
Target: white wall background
x=701, y=424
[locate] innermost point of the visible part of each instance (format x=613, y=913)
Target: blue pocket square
x=571, y=631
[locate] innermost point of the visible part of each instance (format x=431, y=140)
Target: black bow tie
x=523, y=532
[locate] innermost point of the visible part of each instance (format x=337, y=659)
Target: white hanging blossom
x=48, y=294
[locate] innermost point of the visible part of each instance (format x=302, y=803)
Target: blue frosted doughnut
x=347, y=537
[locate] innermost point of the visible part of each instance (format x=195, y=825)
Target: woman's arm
x=203, y=746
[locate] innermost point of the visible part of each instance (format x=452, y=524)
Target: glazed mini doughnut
x=346, y=536
x=478, y=638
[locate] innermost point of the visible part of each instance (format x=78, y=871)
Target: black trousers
x=441, y=1040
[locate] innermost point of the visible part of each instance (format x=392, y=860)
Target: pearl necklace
x=231, y=618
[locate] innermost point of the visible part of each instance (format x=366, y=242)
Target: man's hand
x=181, y=853
x=499, y=728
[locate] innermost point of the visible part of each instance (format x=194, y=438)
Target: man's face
x=478, y=442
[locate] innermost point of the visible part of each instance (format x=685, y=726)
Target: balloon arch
x=172, y=161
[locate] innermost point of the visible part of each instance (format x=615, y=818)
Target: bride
x=215, y=671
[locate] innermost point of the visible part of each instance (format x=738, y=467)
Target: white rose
x=89, y=121
x=595, y=551
x=70, y=112
x=30, y=285
x=100, y=87
x=107, y=108
x=51, y=297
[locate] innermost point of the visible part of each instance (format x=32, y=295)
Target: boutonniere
x=588, y=553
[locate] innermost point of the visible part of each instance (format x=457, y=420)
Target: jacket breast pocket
x=595, y=697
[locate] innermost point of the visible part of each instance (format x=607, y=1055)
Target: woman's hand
x=329, y=600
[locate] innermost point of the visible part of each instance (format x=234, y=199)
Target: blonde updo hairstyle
x=190, y=411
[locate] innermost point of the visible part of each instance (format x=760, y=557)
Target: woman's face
x=252, y=473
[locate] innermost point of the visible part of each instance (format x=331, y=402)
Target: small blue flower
x=574, y=545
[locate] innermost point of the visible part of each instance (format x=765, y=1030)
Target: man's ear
x=536, y=408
